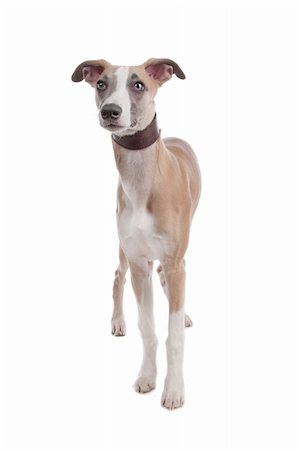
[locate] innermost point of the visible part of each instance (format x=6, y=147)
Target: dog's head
x=125, y=94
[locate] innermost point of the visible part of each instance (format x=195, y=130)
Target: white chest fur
x=138, y=236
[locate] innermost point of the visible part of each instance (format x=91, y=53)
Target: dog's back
x=187, y=160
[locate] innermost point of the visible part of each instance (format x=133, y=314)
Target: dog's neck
x=137, y=169
x=140, y=140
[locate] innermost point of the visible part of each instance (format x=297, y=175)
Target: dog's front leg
x=173, y=395
x=141, y=275
x=118, y=325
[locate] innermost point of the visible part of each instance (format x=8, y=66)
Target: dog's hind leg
x=188, y=321
x=118, y=325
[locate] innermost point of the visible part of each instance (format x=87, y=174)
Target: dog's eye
x=139, y=86
x=101, y=86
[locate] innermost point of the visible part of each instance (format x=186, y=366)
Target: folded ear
x=90, y=70
x=162, y=69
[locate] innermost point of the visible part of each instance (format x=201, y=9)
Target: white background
x=67, y=380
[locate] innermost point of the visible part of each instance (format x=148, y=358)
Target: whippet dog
x=158, y=192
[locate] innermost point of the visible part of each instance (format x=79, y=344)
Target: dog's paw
x=173, y=396
x=144, y=384
x=118, y=326
x=188, y=321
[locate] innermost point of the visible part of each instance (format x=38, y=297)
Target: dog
x=158, y=192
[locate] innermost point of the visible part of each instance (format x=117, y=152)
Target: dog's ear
x=90, y=71
x=162, y=69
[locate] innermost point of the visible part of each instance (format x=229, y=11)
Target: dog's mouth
x=111, y=126
x=116, y=128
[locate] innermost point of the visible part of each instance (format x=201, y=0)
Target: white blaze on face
x=120, y=96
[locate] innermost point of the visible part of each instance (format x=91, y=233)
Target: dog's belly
x=138, y=236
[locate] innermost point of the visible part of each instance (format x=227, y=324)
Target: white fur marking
x=173, y=394
x=138, y=236
x=120, y=96
x=136, y=226
x=146, y=380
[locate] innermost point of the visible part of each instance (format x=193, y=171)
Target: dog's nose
x=111, y=111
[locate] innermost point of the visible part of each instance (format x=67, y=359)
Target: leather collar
x=140, y=140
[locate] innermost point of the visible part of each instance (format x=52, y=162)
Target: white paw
x=173, y=396
x=144, y=383
x=188, y=321
x=118, y=326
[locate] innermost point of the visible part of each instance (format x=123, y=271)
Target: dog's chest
x=138, y=234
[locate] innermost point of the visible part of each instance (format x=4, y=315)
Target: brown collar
x=140, y=140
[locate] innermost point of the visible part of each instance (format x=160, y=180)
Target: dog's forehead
x=119, y=78
x=126, y=73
